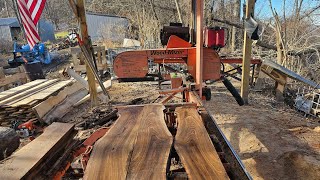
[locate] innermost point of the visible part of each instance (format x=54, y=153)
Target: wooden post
x=247, y=48
x=199, y=45
x=85, y=37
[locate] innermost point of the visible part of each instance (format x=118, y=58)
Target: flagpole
x=16, y=11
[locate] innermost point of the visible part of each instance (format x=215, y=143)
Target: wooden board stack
x=17, y=103
x=31, y=160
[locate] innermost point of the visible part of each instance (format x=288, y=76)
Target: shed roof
x=12, y=22
x=102, y=14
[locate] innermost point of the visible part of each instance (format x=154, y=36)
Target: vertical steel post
x=199, y=44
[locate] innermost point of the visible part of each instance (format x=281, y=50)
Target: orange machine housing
x=134, y=64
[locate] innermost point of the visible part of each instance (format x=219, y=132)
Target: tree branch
x=269, y=46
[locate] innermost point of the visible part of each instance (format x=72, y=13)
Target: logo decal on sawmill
x=166, y=52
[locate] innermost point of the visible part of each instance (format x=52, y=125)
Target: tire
x=206, y=92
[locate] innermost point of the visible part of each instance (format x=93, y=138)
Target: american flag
x=30, y=12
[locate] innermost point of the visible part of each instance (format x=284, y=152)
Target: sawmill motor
x=174, y=29
x=214, y=37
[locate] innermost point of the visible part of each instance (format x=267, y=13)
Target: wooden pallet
x=17, y=103
x=139, y=144
x=79, y=63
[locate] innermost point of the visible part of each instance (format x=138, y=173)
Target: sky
x=263, y=9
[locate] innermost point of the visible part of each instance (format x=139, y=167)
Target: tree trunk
x=6, y=8
x=236, y=16
x=178, y=10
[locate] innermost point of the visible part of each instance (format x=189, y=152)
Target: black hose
x=233, y=91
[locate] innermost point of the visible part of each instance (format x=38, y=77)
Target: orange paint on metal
x=131, y=64
x=84, y=148
x=169, y=53
x=168, y=98
x=134, y=64
x=176, y=42
x=161, y=61
x=168, y=91
x=199, y=44
x=239, y=60
x=176, y=82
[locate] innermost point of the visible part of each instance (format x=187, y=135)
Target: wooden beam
x=199, y=44
x=28, y=161
x=50, y=103
x=195, y=148
x=14, y=91
x=64, y=107
x=101, y=96
x=85, y=37
x=82, y=68
x=247, y=49
x=43, y=94
x=28, y=92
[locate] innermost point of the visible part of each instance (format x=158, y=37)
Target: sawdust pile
x=273, y=141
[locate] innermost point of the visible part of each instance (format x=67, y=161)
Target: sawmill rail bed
x=158, y=142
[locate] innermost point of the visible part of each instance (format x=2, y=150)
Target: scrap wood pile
x=102, y=115
x=18, y=103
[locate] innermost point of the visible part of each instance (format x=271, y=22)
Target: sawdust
x=273, y=141
x=128, y=93
x=120, y=94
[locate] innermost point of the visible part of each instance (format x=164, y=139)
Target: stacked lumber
x=58, y=105
x=17, y=103
x=31, y=160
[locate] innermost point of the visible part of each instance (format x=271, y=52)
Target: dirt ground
x=273, y=141
x=120, y=94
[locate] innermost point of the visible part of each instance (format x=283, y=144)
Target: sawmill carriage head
x=213, y=37
x=174, y=29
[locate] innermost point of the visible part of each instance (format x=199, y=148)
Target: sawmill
x=148, y=113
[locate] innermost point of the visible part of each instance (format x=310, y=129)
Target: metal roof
x=12, y=22
x=102, y=14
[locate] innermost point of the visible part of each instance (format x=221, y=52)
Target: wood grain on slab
x=195, y=148
x=152, y=148
x=136, y=147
